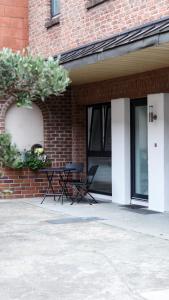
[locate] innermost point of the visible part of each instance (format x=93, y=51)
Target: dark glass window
x=95, y=141
x=99, y=146
x=55, y=7
x=107, y=145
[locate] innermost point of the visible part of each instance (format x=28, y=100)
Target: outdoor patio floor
x=82, y=252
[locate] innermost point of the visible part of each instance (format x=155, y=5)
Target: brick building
x=14, y=24
x=116, y=112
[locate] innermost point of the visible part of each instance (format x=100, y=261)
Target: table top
x=57, y=170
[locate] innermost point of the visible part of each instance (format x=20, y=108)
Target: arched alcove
x=25, y=126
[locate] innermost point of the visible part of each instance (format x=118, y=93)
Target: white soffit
x=148, y=59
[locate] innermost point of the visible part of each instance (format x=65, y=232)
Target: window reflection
x=99, y=146
x=102, y=181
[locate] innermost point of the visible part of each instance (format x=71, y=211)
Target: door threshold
x=140, y=202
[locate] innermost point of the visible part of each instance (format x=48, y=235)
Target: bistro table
x=63, y=174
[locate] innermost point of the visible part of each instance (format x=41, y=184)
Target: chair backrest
x=91, y=174
x=77, y=166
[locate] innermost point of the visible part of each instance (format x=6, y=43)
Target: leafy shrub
x=9, y=154
x=12, y=158
x=36, y=161
x=27, y=78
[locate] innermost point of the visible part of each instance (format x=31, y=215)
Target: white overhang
x=131, y=52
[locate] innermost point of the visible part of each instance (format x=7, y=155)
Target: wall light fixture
x=152, y=115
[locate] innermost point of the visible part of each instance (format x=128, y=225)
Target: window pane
x=55, y=7
x=102, y=180
x=108, y=130
x=96, y=131
x=99, y=146
x=141, y=150
x=90, y=111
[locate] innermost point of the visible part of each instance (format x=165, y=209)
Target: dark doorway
x=99, y=146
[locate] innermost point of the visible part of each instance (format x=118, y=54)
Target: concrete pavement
x=53, y=254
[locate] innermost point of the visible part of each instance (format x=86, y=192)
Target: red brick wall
x=22, y=183
x=58, y=146
x=132, y=87
x=14, y=24
x=78, y=131
x=135, y=86
x=79, y=26
x=65, y=124
x=14, y=34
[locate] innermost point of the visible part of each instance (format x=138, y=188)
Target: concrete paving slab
x=76, y=260
x=157, y=295
x=115, y=215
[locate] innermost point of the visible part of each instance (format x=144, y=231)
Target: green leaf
x=27, y=77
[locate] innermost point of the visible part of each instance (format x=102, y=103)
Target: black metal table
x=63, y=174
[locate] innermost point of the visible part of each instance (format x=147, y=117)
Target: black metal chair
x=78, y=167
x=83, y=187
x=76, y=174
x=68, y=179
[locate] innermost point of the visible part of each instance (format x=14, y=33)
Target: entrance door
x=99, y=146
x=139, y=149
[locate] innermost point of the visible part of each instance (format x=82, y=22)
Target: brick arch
x=57, y=114
x=46, y=113
x=6, y=104
x=46, y=117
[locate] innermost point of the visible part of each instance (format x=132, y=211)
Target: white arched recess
x=25, y=126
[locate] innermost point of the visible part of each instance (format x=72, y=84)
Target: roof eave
x=118, y=51
x=138, y=38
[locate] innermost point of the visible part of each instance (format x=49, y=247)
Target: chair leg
x=43, y=199
x=85, y=192
x=75, y=198
x=89, y=201
x=81, y=197
x=82, y=193
x=94, y=200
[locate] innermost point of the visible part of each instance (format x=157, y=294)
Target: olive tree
x=27, y=78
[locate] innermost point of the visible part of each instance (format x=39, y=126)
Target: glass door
x=139, y=149
x=99, y=146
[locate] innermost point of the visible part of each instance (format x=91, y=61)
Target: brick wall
x=65, y=124
x=65, y=117
x=79, y=25
x=78, y=130
x=58, y=146
x=14, y=24
x=135, y=86
x=14, y=34
x=22, y=183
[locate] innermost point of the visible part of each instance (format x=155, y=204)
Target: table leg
x=63, y=184
x=50, y=186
